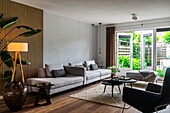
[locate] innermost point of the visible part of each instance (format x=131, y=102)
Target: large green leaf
x=29, y=33
x=1, y=16
x=23, y=61
x=6, y=58
x=9, y=23
x=25, y=27
x=8, y=76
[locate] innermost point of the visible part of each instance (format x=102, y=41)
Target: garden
x=124, y=61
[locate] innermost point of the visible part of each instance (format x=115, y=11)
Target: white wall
x=67, y=40
x=136, y=25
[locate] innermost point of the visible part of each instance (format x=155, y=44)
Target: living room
x=112, y=38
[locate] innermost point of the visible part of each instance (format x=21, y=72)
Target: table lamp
x=17, y=48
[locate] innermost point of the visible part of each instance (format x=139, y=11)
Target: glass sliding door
x=134, y=50
x=147, y=50
x=163, y=51
x=137, y=50
x=124, y=51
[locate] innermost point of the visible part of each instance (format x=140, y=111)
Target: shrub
x=136, y=51
x=161, y=73
x=136, y=64
x=124, y=61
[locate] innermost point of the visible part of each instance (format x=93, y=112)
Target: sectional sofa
x=76, y=74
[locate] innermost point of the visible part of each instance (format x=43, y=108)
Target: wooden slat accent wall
x=27, y=16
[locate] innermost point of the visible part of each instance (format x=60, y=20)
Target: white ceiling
x=105, y=11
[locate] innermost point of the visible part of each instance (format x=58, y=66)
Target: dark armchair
x=154, y=98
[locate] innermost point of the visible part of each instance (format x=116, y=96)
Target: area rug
x=96, y=94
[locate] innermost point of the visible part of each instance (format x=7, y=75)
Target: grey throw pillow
x=88, y=63
x=58, y=73
x=93, y=67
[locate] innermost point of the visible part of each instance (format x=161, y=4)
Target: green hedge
x=124, y=62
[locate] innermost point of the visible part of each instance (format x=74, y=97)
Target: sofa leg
x=123, y=107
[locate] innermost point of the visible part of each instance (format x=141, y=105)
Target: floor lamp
x=17, y=48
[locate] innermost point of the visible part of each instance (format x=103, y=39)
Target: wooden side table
x=42, y=93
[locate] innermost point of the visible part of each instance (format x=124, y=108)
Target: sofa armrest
x=144, y=101
x=33, y=81
x=42, y=73
x=154, y=88
x=78, y=71
x=71, y=70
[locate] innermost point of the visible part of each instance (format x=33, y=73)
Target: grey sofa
x=75, y=76
x=91, y=75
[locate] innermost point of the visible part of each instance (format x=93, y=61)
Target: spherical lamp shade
x=15, y=46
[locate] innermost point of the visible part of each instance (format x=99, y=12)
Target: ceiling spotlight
x=134, y=17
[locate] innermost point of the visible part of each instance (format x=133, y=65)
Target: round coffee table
x=114, y=82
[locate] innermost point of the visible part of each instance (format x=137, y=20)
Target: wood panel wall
x=27, y=16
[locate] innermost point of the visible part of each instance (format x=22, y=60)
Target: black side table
x=42, y=92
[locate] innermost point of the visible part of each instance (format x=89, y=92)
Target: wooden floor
x=61, y=103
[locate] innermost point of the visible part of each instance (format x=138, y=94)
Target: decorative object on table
x=42, y=91
x=155, y=97
x=114, y=70
x=116, y=78
x=124, y=78
x=14, y=93
x=96, y=95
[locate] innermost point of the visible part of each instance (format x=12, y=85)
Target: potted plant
x=114, y=70
x=15, y=92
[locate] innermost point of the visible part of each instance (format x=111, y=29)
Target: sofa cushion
x=92, y=74
x=104, y=71
x=50, y=67
x=76, y=64
x=58, y=82
x=87, y=63
x=58, y=73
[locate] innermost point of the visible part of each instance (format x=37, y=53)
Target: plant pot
x=112, y=75
x=14, y=95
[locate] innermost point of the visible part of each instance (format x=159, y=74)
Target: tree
x=166, y=38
